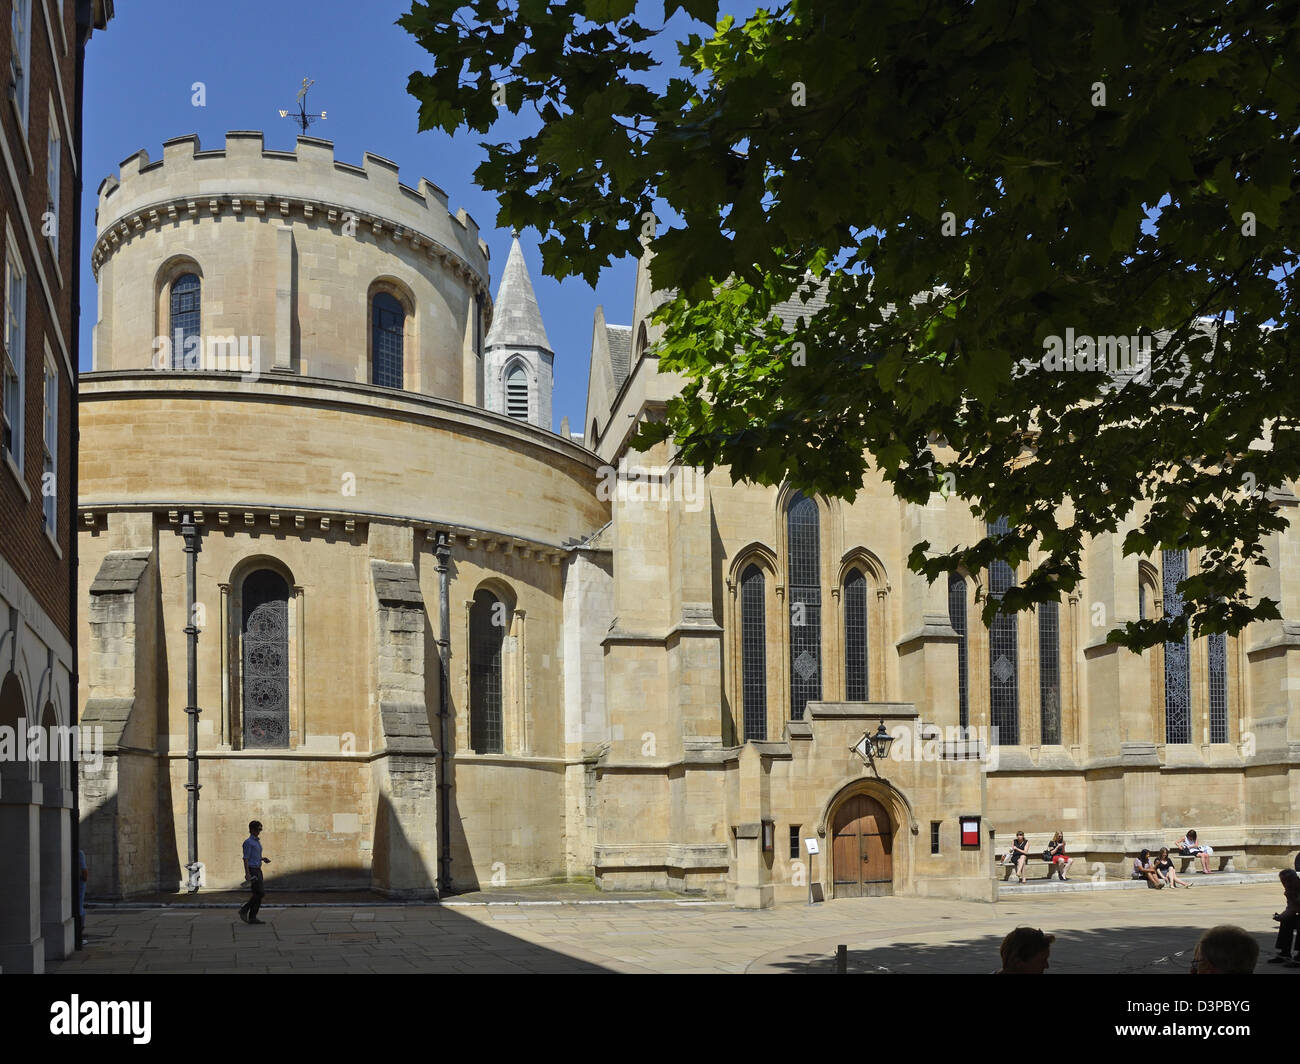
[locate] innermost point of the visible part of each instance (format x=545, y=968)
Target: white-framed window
x=20, y=56
x=54, y=167
x=50, y=479
x=15, y=313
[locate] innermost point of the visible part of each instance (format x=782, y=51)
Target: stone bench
x=1224, y=855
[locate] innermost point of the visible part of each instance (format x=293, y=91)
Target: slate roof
x=516, y=318
x=620, y=351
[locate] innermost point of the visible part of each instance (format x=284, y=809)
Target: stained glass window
x=803, y=544
x=1049, y=672
x=957, y=617
x=1004, y=654
x=1178, y=689
x=855, y=637
x=753, y=653
x=1218, y=667
x=265, y=678
x=487, y=628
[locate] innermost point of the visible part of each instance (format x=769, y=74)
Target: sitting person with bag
x=1144, y=869
x=1018, y=856
x=1055, y=855
x=1189, y=847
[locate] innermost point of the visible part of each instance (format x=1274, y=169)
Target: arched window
x=185, y=333
x=487, y=629
x=753, y=653
x=387, y=328
x=1218, y=669
x=803, y=529
x=1178, y=688
x=957, y=618
x=517, y=392
x=266, y=660
x=1049, y=672
x=855, y=638
x=1004, y=654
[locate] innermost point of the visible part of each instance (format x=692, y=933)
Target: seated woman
x=1165, y=866
x=1144, y=869
x=1189, y=847
x=1288, y=920
x=1019, y=854
x=1058, y=862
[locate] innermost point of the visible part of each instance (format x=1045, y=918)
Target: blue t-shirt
x=252, y=853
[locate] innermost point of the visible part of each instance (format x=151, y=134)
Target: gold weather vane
x=302, y=116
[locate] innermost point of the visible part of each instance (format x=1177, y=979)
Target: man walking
x=253, y=861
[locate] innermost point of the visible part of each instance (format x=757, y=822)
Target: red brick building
x=42, y=45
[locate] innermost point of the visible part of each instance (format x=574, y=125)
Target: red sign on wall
x=970, y=831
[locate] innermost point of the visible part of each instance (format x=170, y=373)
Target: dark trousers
x=1287, y=928
x=259, y=891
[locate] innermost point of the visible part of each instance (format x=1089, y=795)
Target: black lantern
x=881, y=742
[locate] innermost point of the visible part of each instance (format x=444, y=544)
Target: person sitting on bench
x=1189, y=847
x=1165, y=866
x=1019, y=855
x=1144, y=869
x=1288, y=920
x=1057, y=861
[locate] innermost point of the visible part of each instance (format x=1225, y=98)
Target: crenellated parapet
x=245, y=179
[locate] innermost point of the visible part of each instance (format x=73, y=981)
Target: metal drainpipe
x=443, y=553
x=190, y=533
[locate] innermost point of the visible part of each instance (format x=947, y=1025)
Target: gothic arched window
x=1218, y=669
x=855, y=638
x=1178, y=687
x=517, y=392
x=185, y=333
x=265, y=680
x=1049, y=672
x=1004, y=654
x=957, y=618
x=803, y=528
x=487, y=629
x=753, y=653
x=387, y=329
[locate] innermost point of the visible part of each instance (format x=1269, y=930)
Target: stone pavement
x=1098, y=931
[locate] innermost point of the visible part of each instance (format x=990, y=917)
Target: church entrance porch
x=862, y=849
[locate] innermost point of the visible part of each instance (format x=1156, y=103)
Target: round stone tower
x=288, y=360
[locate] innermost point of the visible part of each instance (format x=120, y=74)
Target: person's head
x=1191, y=834
x=1146, y=854
x=1024, y=951
x=1020, y=835
x=1225, y=950
x=1164, y=852
x=254, y=827
x=1058, y=837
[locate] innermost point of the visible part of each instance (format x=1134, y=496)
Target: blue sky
x=252, y=57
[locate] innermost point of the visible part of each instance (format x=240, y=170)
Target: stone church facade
x=440, y=646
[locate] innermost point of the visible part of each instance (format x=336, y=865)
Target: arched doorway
x=862, y=848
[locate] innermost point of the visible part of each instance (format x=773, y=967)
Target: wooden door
x=862, y=846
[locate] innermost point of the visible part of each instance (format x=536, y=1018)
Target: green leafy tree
x=961, y=181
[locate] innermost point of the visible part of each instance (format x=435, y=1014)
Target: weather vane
x=303, y=117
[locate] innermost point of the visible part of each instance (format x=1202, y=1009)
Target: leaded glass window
x=957, y=618
x=265, y=679
x=1004, y=654
x=186, y=322
x=803, y=533
x=487, y=630
x=1178, y=688
x=753, y=653
x=387, y=328
x=855, y=637
x=1218, y=664
x=1049, y=672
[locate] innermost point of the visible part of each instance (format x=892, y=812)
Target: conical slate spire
x=516, y=318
